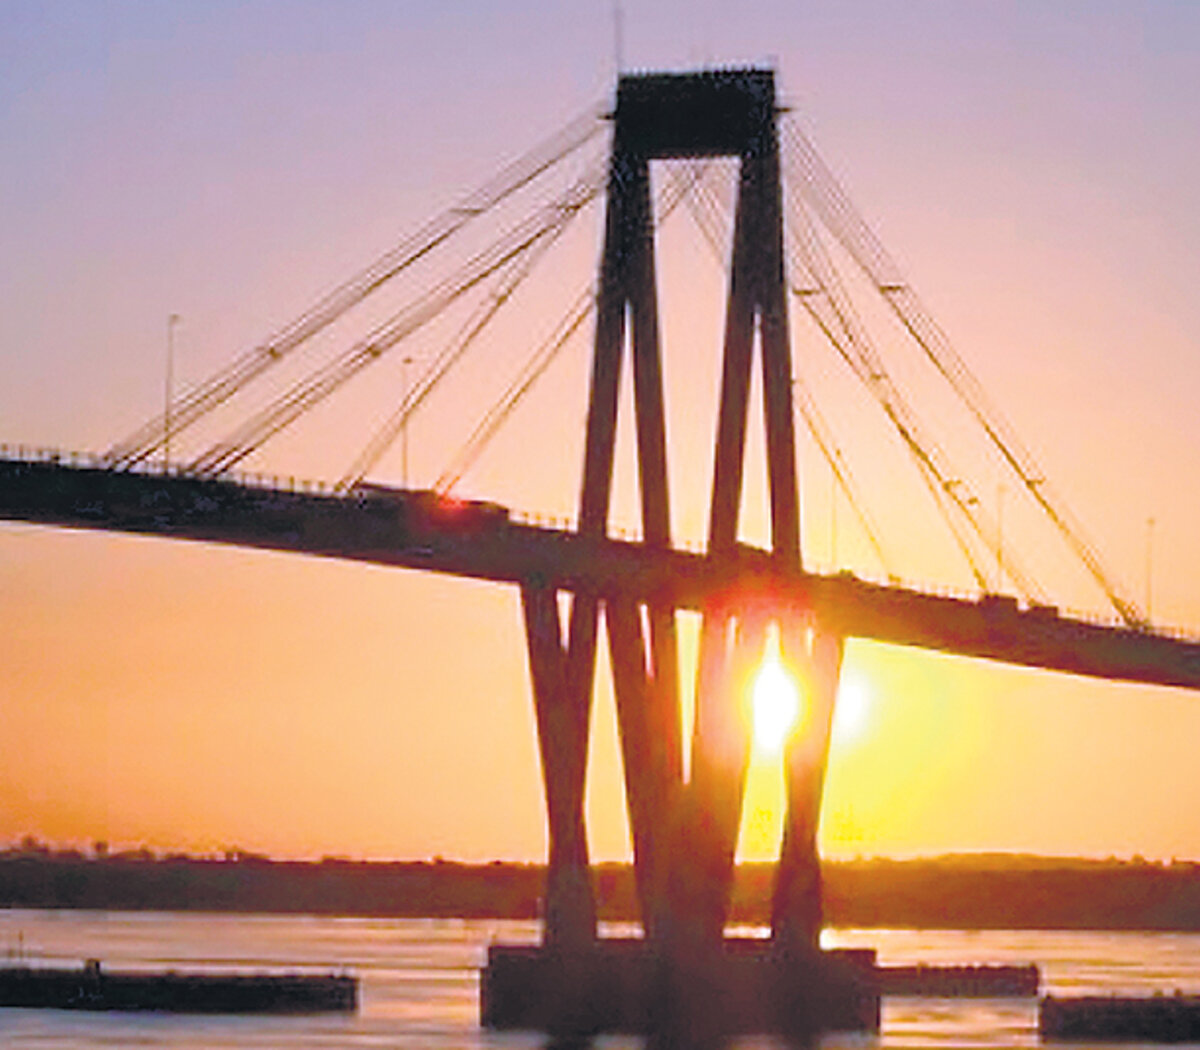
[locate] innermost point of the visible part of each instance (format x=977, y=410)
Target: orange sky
x=1035, y=174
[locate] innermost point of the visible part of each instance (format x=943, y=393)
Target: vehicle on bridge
x=429, y=509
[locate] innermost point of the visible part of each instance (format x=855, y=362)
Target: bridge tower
x=684, y=833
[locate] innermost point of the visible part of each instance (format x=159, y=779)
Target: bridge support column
x=684, y=982
x=711, y=810
x=644, y=652
x=648, y=720
x=796, y=916
x=562, y=693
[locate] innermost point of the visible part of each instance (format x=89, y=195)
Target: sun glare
x=776, y=704
x=852, y=713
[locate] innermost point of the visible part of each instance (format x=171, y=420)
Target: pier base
x=619, y=986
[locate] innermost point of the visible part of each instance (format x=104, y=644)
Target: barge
x=960, y=982
x=90, y=987
x=1115, y=1019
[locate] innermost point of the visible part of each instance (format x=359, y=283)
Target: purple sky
x=1035, y=169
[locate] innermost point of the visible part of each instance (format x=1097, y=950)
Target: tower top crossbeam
x=706, y=114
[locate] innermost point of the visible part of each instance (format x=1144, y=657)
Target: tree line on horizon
x=984, y=891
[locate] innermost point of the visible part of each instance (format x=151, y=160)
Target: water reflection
x=420, y=982
x=674, y=1041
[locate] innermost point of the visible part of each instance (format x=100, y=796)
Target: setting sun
x=776, y=703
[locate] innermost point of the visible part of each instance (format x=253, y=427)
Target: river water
x=420, y=979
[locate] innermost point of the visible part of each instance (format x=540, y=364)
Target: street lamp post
x=833, y=509
x=1149, y=569
x=1000, y=491
x=407, y=363
x=169, y=389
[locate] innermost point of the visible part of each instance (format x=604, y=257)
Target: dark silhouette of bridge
x=684, y=830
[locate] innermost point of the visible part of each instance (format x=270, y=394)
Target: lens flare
x=852, y=716
x=776, y=705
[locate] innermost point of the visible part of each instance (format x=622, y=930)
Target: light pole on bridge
x=406, y=362
x=1149, y=569
x=169, y=391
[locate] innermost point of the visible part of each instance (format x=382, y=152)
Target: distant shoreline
x=990, y=891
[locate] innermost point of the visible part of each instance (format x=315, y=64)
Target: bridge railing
x=39, y=454
x=1063, y=612
x=92, y=461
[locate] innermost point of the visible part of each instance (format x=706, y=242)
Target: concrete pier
x=620, y=986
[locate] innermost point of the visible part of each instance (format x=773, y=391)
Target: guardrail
x=95, y=461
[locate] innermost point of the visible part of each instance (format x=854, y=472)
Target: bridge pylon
x=684, y=832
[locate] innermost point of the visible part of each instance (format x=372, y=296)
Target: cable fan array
x=816, y=202
x=506, y=254
x=813, y=184
x=817, y=210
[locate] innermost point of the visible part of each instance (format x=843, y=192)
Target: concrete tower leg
x=796, y=916
x=648, y=719
x=729, y=652
x=562, y=701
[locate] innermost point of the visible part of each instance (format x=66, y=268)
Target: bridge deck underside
x=502, y=551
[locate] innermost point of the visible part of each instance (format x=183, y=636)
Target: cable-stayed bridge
x=784, y=230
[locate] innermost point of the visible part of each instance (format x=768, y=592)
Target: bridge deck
x=479, y=541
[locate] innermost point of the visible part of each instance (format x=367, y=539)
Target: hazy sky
x=1034, y=167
